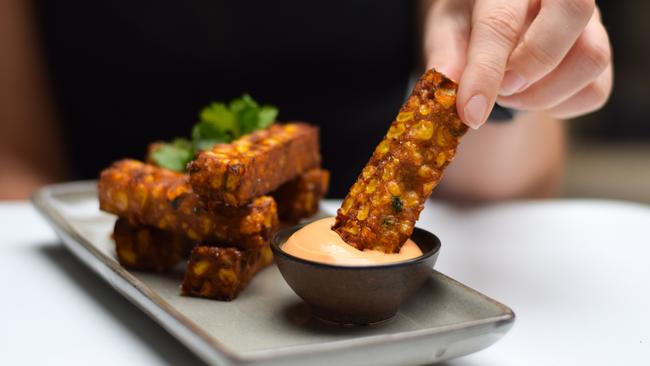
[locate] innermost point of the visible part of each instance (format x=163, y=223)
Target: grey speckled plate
x=268, y=324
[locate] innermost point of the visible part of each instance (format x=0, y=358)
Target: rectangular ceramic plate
x=268, y=324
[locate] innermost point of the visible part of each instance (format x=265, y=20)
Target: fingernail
x=512, y=83
x=475, y=110
x=509, y=102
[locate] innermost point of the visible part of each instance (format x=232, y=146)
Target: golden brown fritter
x=151, y=196
x=221, y=273
x=146, y=248
x=255, y=164
x=299, y=198
x=384, y=203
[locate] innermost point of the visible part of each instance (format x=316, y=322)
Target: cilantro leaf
x=174, y=155
x=267, y=115
x=218, y=123
x=245, y=101
x=221, y=119
x=248, y=120
x=205, y=130
x=397, y=204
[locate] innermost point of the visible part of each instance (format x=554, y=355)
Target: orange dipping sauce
x=317, y=242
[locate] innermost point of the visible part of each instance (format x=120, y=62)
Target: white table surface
x=576, y=274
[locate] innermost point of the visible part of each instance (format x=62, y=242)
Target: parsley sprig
x=218, y=123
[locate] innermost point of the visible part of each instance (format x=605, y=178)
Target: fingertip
x=512, y=83
x=474, y=112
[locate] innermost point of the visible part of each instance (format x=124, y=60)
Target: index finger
x=546, y=42
x=496, y=27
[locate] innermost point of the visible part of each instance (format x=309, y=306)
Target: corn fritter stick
x=383, y=205
x=151, y=196
x=255, y=164
x=299, y=198
x=222, y=273
x=146, y=248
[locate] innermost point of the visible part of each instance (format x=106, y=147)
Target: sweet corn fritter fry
x=255, y=164
x=299, y=198
x=146, y=248
x=384, y=203
x=151, y=196
x=221, y=273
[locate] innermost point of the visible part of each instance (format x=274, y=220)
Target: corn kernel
x=446, y=97
x=404, y=116
x=425, y=171
x=404, y=228
x=229, y=197
x=308, y=202
x=395, y=130
x=128, y=256
x=442, y=139
x=217, y=180
x=206, y=224
x=411, y=199
x=427, y=188
x=231, y=182
x=386, y=199
x=422, y=130
x=356, y=188
x=383, y=148
x=347, y=205
x=268, y=220
x=389, y=172
x=441, y=159
x=363, y=213
x=140, y=194
x=368, y=171
x=227, y=276
x=393, y=188
x=242, y=148
x=201, y=267
x=193, y=234
x=352, y=230
x=376, y=200
x=425, y=109
x=372, y=186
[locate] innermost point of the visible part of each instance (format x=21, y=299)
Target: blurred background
x=85, y=59
x=609, y=153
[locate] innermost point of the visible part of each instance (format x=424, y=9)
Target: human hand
x=552, y=56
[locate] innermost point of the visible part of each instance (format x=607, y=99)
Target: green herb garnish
x=388, y=221
x=174, y=155
x=218, y=123
x=397, y=204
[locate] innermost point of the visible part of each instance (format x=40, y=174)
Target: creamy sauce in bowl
x=317, y=242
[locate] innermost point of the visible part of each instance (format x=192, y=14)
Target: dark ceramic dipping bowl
x=356, y=295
